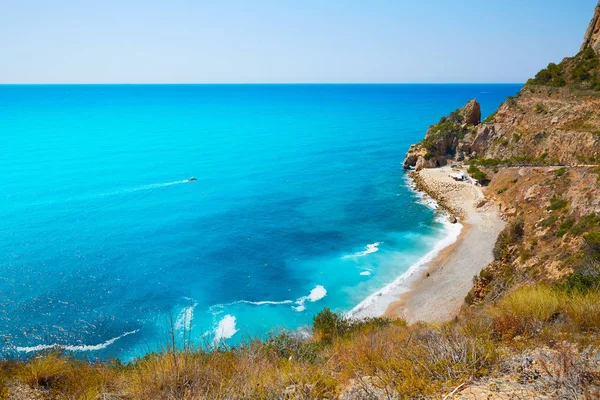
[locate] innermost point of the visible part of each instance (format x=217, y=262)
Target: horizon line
x=258, y=83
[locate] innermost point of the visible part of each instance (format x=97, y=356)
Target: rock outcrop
x=592, y=35
x=442, y=140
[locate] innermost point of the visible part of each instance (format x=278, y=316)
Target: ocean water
x=300, y=203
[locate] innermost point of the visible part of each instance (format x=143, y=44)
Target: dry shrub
x=530, y=311
x=525, y=311
x=413, y=362
x=583, y=312
x=64, y=377
x=250, y=371
x=572, y=374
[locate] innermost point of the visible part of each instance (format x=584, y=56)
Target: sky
x=286, y=41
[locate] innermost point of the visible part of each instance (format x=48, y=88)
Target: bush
x=516, y=230
x=560, y=171
x=478, y=175
x=557, y=203
x=501, y=246
x=328, y=325
x=525, y=311
x=592, y=241
x=565, y=226
x=548, y=222
x=582, y=281
x=541, y=109
x=549, y=76
x=585, y=224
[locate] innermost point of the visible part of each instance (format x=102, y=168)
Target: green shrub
x=592, y=241
x=286, y=345
x=548, y=222
x=582, y=281
x=565, y=226
x=478, y=174
x=549, y=76
x=516, y=230
x=501, y=246
x=560, y=171
x=541, y=109
x=557, y=203
x=585, y=224
x=328, y=325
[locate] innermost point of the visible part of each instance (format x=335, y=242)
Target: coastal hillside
x=554, y=119
x=527, y=325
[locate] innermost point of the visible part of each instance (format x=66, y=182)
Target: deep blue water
x=102, y=236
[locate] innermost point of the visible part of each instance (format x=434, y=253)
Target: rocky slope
x=554, y=119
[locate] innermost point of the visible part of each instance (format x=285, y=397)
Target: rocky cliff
x=444, y=139
x=554, y=119
x=592, y=35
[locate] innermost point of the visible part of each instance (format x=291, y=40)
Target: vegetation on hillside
x=581, y=71
x=448, y=130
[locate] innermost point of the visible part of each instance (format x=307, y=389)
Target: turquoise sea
x=300, y=203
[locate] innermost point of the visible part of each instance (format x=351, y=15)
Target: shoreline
x=433, y=289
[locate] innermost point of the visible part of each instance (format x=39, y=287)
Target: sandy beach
x=438, y=291
x=435, y=290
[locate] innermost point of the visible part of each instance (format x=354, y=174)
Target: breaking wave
x=66, y=347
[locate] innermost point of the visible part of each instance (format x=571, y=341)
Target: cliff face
x=554, y=119
x=592, y=35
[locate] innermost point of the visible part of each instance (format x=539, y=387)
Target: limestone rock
x=442, y=140
x=592, y=35
x=420, y=164
x=472, y=113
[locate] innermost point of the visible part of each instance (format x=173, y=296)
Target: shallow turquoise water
x=300, y=204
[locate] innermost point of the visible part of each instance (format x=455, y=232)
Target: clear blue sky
x=53, y=41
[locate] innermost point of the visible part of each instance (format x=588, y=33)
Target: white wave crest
x=375, y=304
x=185, y=317
x=315, y=295
x=66, y=347
x=225, y=329
x=422, y=197
x=365, y=273
x=263, y=303
x=371, y=248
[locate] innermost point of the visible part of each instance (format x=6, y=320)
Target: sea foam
x=225, y=329
x=185, y=317
x=371, y=248
x=315, y=295
x=376, y=303
x=66, y=347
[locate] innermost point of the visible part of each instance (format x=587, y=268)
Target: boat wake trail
x=137, y=189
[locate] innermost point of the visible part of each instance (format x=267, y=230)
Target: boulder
x=472, y=113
